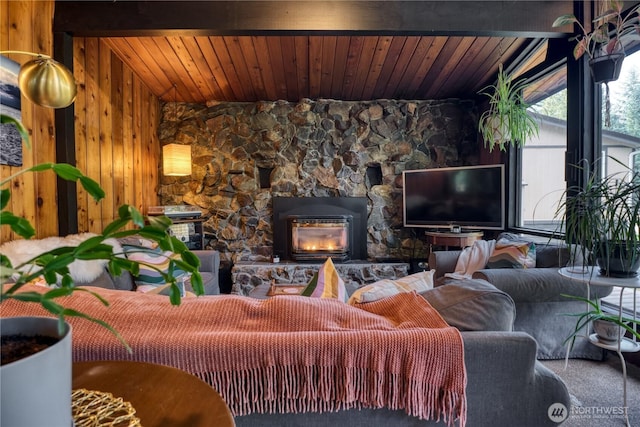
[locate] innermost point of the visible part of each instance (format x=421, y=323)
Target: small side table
x=591, y=277
x=161, y=395
x=459, y=240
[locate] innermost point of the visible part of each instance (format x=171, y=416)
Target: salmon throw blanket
x=285, y=354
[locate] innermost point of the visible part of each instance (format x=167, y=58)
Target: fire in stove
x=316, y=238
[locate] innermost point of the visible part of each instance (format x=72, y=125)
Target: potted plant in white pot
x=507, y=121
x=609, y=328
x=48, y=401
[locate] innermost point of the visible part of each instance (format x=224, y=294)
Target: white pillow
x=418, y=282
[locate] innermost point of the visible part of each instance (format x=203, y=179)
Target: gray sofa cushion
x=210, y=284
x=538, y=284
x=473, y=305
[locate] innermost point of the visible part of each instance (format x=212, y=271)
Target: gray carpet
x=597, y=391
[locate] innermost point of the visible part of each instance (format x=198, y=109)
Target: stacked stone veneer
x=243, y=154
x=246, y=276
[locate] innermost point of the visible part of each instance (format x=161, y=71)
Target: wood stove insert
x=342, y=221
x=317, y=238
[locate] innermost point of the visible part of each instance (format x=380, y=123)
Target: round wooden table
x=161, y=395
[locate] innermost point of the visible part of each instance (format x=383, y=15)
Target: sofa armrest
x=209, y=260
x=443, y=262
x=537, y=284
x=209, y=267
x=510, y=358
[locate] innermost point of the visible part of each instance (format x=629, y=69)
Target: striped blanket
x=286, y=354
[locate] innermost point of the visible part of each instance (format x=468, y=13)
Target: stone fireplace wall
x=243, y=154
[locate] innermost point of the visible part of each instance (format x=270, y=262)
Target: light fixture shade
x=176, y=159
x=47, y=83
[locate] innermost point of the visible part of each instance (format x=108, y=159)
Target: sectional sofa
x=540, y=295
x=505, y=384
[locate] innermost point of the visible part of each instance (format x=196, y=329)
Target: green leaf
x=19, y=225
x=51, y=306
x=136, y=216
x=92, y=187
x=41, y=167
x=197, y=284
x=190, y=258
x=67, y=172
x=114, y=226
x=160, y=222
x=23, y=296
x=73, y=313
x=5, y=196
x=564, y=20
x=19, y=126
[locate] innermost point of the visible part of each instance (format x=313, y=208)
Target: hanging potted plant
x=603, y=44
x=507, y=121
x=36, y=385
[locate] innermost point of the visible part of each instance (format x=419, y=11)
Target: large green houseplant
x=507, y=121
x=602, y=221
x=36, y=389
x=601, y=226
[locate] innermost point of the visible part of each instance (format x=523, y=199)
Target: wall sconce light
x=176, y=160
x=45, y=82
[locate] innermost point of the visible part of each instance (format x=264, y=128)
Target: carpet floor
x=597, y=391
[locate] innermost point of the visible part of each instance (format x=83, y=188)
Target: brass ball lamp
x=46, y=82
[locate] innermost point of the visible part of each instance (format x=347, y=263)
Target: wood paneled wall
x=26, y=26
x=116, y=121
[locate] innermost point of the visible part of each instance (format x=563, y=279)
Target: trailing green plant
x=603, y=214
x=53, y=265
x=595, y=312
x=607, y=30
x=507, y=120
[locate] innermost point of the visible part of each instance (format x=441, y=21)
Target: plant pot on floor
x=36, y=390
x=606, y=68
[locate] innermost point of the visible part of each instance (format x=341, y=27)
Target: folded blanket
x=473, y=258
x=286, y=354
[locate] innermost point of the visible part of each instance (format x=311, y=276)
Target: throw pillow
x=419, y=282
x=154, y=262
x=326, y=283
x=511, y=253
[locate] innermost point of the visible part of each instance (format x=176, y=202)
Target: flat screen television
x=470, y=197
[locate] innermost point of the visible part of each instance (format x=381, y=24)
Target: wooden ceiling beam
x=514, y=18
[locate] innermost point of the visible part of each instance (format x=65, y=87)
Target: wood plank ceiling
x=209, y=69
x=216, y=51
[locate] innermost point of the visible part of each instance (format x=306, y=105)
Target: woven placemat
x=92, y=408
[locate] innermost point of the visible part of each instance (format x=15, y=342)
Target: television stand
x=447, y=239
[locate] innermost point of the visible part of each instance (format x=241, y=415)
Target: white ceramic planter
x=36, y=390
x=608, y=332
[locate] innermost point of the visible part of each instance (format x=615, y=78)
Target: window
x=541, y=162
x=540, y=180
x=542, y=159
x=621, y=141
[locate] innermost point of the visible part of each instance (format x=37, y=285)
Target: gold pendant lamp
x=46, y=82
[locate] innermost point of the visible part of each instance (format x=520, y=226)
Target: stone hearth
x=246, y=276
